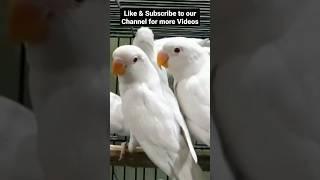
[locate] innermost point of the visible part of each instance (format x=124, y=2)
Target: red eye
x=176, y=50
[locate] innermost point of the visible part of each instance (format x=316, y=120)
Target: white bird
x=189, y=64
x=151, y=116
x=66, y=50
x=117, y=123
x=144, y=38
x=18, y=142
x=205, y=43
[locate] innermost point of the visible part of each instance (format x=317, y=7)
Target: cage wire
x=123, y=35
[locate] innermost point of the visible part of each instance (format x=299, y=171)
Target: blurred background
x=12, y=66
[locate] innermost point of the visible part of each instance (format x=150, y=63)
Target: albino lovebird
x=117, y=123
x=66, y=51
x=205, y=43
x=144, y=39
x=154, y=121
x=18, y=142
x=189, y=64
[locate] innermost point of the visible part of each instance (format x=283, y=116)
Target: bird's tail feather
x=190, y=170
x=185, y=166
x=144, y=39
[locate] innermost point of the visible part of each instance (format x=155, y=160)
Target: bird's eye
x=176, y=50
x=135, y=59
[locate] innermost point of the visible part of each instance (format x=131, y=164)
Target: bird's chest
x=184, y=98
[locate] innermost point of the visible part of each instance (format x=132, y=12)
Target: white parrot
x=66, y=50
x=18, y=143
x=117, y=123
x=205, y=43
x=152, y=117
x=189, y=64
x=144, y=38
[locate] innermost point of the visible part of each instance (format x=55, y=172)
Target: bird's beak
x=162, y=59
x=118, y=68
x=27, y=23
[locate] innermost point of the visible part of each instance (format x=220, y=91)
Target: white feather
x=191, y=71
x=117, y=123
x=144, y=40
x=152, y=117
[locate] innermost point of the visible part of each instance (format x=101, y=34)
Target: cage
x=17, y=83
x=137, y=166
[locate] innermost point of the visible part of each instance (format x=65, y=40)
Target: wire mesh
x=122, y=35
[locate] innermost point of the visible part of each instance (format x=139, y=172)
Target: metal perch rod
x=139, y=158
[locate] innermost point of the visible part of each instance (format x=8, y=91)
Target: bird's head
x=131, y=64
x=179, y=54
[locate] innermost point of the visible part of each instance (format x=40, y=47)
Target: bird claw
x=123, y=150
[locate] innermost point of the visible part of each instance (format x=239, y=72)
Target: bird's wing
x=196, y=90
x=147, y=110
x=166, y=147
x=117, y=123
x=179, y=118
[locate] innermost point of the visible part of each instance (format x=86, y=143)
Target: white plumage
x=152, y=117
x=144, y=39
x=160, y=42
x=189, y=64
x=117, y=123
